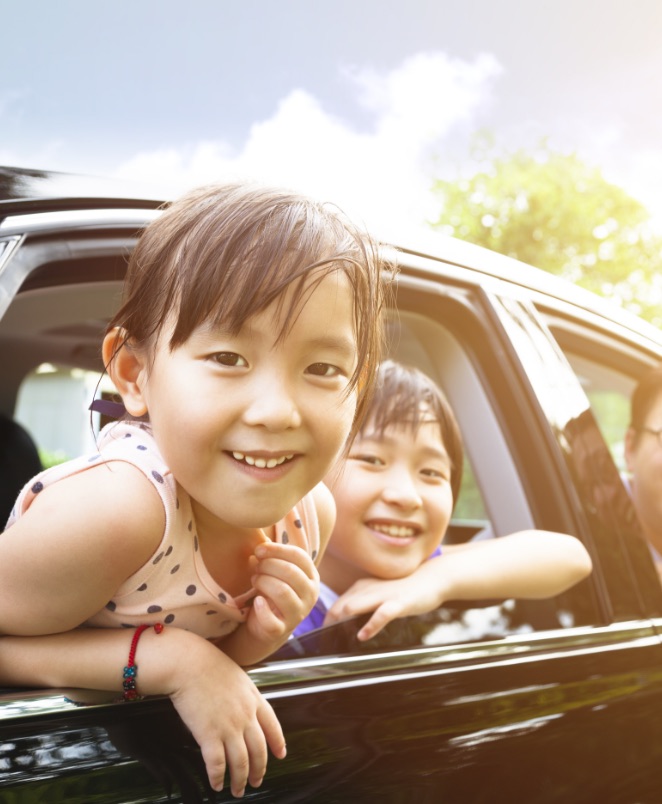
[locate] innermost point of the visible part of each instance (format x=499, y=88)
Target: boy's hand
x=287, y=582
x=388, y=600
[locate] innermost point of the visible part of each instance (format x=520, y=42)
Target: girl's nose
x=272, y=406
x=400, y=490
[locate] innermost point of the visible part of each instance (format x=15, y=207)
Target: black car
x=494, y=701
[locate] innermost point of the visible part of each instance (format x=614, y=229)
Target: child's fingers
x=287, y=572
x=289, y=588
x=271, y=728
x=245, y=756
x=238, y=762
x=269, y=616
x=292, y=599
x=382, y=616
x=213, y=754
x=257, y=755
x=351, y=605
x=274, y=554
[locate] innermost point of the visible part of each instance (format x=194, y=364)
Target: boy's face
x=394, y=502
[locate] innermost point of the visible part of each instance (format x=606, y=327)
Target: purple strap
x=107, y=408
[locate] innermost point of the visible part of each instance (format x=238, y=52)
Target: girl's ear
x=126, y=367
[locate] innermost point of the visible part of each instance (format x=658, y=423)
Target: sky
x=361, y=102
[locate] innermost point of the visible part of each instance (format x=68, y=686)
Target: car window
x=435, y=329
x=53, y=406
x=607, y=368
x=608, y=391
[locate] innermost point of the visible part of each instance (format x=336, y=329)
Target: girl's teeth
x=261, y=463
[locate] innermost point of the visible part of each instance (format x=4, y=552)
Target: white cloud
x=381, y=175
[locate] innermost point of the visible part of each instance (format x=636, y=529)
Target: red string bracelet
x=131, y=670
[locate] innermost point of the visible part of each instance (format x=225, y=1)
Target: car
x=494, y=700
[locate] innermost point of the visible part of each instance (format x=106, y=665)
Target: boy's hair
x=406, y=396
x=223, y=253
x=644, y=397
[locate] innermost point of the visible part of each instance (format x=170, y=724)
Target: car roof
x=25, y=191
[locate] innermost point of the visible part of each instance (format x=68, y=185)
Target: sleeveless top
x=174, y=586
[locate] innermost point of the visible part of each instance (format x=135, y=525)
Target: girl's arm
x=77, y=543
x=62, y=561
x=527, y=564
x=228, y=717
x=288, y=584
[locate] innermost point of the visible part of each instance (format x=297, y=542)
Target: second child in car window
x=394, y=496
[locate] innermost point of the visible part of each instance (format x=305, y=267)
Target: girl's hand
x=287, y=582
x=228, y=717
x=388, y=600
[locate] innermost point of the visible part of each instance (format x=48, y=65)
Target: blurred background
x=533, y=128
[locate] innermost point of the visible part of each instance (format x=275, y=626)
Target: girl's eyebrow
x=337, y=343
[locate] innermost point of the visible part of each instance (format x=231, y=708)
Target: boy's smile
x=394, y=503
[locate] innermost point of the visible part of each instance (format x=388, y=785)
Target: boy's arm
x=527, y=564
x=228, y=717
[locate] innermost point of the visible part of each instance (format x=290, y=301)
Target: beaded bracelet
x=131, y=670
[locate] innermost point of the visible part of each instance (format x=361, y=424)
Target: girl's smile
x=264, y=466
x=261, y=462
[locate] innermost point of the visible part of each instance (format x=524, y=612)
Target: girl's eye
x=324, y=370
x=229, y=359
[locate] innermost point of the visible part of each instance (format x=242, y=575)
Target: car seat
x=19, y=461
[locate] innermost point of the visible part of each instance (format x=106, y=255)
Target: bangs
x=243, y=268
x=406, y=397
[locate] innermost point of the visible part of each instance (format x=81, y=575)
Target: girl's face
x=394, y=503
x=249, y=425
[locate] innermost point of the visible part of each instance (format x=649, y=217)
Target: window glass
x=53, y=405
x=608, y=372
x=609, y=394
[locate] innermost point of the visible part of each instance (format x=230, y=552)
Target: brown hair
x=644, y=396
x=406, y=396
x=222, y=253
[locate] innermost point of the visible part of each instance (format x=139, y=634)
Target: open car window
x=60, y=314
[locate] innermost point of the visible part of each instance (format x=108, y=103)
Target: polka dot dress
x=174, y=586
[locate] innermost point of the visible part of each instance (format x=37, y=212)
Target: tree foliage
x=553, y=211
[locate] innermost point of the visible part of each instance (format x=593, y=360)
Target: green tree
x=553, y=211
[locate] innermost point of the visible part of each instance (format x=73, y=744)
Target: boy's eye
x=323, y=370
x=435, y=474
x=229, y=359
x=373, y=460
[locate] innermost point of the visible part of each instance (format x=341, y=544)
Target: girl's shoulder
x=108, y=495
